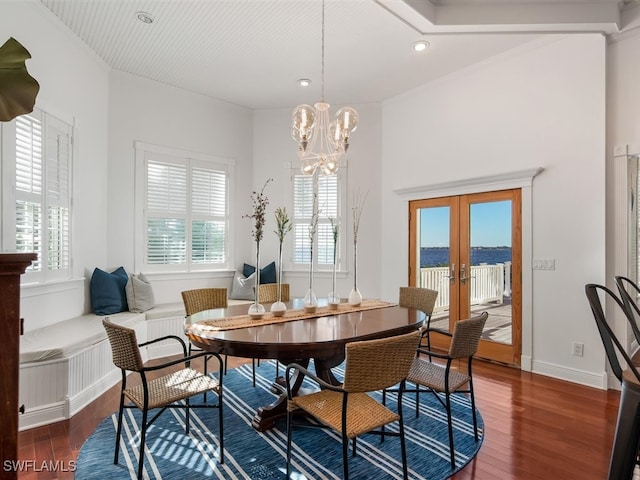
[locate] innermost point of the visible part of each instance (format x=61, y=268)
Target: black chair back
x=629, y=291
x=612, y=345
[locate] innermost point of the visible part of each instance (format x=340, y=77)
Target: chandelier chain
x=322, y=56
x=322, y=142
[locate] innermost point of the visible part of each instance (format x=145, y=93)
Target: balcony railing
x=489, y=283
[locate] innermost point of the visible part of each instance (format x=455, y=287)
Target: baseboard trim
x=42, y=415
x=574, y=375
x=77, y=402
x=525, y=363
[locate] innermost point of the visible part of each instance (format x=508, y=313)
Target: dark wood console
x=12, y=265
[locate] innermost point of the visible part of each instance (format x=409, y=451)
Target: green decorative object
x=283, y=226
x=18, y=89
x=333, y=298
x=260, y=202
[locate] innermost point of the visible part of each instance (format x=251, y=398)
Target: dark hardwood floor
x=536, y=427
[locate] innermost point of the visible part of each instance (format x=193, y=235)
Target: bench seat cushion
x=165, y=310
x=239, y=302
x=170, y=310
x=63, y=339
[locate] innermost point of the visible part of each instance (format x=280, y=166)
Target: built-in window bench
x=67, y=365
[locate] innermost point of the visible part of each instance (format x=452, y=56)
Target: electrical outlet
x=578, y=349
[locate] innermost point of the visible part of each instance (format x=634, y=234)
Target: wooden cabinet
x=12, y=265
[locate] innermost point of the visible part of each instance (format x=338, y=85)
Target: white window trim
x=141, y=148
x=298, y=269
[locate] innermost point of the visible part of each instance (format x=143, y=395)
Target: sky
x=490, y=225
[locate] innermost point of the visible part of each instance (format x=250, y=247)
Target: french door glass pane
x=490, y=267
x=435, y=259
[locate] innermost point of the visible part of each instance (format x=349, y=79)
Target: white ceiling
x=252, y=52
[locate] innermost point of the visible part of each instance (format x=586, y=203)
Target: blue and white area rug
x=170, y=454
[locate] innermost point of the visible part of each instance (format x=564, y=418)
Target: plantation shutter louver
x=208, y=210
x=58, y=154
x=166, y=214
x=29, y=178
x=328, y=207
x=302, y=211
x=43, y=192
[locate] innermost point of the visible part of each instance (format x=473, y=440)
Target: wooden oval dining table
x=321, y=338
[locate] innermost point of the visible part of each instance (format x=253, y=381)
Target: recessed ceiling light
x=145, y=17
x=304, y=82
x=420, y=46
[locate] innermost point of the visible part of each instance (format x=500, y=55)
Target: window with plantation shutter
x=330, y=207
x=209, y=216
x=185, y=205
x=43, y=154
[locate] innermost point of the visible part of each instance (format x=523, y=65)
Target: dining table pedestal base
x=266, y=416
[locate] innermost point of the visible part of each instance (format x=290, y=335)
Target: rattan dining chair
x=626, y=443
x=166, y=391
x=423, y=299
x=201, y=299
x=268, y=292
x=444, y=379
x=371, y=365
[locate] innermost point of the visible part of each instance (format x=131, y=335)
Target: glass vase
x=256, y=310
x=278, y=308
x=333, y=299
x=310, y=301
x=355, y=297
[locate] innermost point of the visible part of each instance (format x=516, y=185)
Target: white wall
x=150, y=112
x=623, y=131
x=274, y=151
x=73, y=86
x=540, y=105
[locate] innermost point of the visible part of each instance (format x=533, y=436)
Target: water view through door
x=467, y=248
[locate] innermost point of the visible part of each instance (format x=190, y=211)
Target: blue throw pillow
x=108, y=295
x=267, y=274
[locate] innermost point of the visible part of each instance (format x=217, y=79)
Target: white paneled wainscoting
x=60, y=378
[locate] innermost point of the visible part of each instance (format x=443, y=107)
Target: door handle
x=452, y=276
x=463, y=274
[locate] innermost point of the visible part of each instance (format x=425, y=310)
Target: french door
x=468, y=248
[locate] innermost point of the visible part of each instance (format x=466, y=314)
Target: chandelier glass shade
x=321, y=143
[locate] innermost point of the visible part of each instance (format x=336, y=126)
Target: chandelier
x=321, y=143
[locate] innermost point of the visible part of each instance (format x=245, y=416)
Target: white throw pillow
x=242, y=287
x=139, y=294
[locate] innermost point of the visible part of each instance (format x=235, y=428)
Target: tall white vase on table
x=260, y=202
x=283, y=226
x=355, y=297
x=333, y=299
x=310, y=301
x=256, y=310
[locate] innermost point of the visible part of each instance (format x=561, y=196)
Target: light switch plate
x=544, y=264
